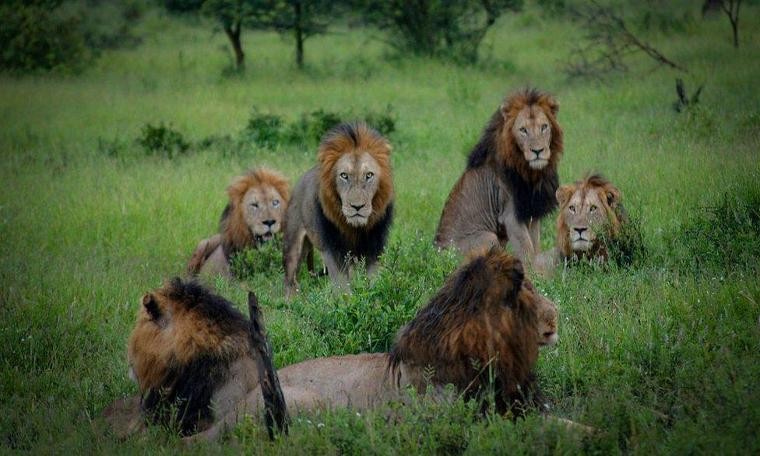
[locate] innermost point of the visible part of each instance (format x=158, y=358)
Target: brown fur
x=321, y=210
x=499, y=197
x=614, y=215
x=235, y=233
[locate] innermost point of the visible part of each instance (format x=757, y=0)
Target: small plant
x=265, y=259
x=162, y=140
x=265, y=130
x=684, y=101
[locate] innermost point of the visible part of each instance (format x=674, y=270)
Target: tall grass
x=660, y=356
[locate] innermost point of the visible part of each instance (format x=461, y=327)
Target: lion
x=588, y=208
x=510, y=180
x=257, y=203
x=483, y=323
x=343, y=206
x=194, y=357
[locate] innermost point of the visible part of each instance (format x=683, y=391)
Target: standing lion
x=510, y=180
x=343, y=206
x=258, y=200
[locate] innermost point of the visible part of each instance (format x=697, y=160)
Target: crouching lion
x=591, y=215
x=194, y=358
x=343, y=206
x=257, y=203
x=510, y=180
x=484, y=323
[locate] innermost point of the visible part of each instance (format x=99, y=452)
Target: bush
x=265, y=130
x=267, y=259
x=162, y=140
x=724, y=235
x=35, y=37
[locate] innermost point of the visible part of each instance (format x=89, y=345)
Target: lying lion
x=257, y=203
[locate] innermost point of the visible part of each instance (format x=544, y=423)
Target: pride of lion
x=200, y=365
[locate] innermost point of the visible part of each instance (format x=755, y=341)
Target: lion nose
x=269, y=223
x=537, y=151
x=357, y=208
x=580, y=230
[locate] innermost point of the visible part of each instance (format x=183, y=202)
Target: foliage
x=302, y=18
x=162, y=140
x=438, y=28
x=266, y=259
x=183, y=6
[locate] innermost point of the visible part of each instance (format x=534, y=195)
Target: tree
x=232, y=15
x=303, y=18
x=438, y=28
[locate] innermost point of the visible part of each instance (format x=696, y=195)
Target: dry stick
x=275, y=410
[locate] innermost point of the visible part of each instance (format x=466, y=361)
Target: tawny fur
x=317, y=215
x=235, y=233
x=500, y=197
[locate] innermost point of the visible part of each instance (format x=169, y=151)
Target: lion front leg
x=519, y=237
x=534, y=228
x=292, y=250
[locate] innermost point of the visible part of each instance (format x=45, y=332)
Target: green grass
x=662, y=357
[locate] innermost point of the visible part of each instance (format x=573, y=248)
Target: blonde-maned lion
x=257, y=204
x=343, y=206
x=482, y=328
x=591, y=215
x=510, y=180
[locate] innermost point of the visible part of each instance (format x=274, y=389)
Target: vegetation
x=660, y=353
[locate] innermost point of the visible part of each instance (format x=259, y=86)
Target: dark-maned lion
x=194, y=358
x=510, y=180
x=257, y=204
x=343, y=206
x=483, y=321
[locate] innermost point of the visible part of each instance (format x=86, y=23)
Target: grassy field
x=662, y=356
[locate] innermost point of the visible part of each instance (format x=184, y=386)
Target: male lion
x=510, y=179
x=588, y=207
x=258, y=200
x=194, y=357
x=482, y=324
x=343, y=206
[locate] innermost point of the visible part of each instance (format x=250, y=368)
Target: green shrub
x=162, y=140
x=265, y=130
x=265, y=259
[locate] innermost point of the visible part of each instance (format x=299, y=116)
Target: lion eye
x=369, y=175
x=544, y=127
x=572, y=209
x=344, y=176
x=255, y=205
x=524, y=131
x=592, y=208
x=276, y=203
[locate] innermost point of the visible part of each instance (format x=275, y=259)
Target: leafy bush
x=265, y=130
x=162, y=140
x=724, y=235
x=267, y=259
x=36, y=37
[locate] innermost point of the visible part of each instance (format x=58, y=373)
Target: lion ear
x=612, y=195
x=151, y=306
x=516, y=276
x=564, y=193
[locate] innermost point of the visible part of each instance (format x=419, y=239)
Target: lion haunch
x=343, y=206
x=510, y=180
x=253, y=215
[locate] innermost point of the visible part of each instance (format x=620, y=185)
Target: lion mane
x=482, y=321
x=236, y=234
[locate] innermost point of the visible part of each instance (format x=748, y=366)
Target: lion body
x=509, y=183
x=257, y=204
x=343, y=207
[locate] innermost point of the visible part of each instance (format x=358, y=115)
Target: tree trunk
x=299, y=34
x=731, y=8
x=233, y=33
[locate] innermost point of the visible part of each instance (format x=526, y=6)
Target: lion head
x=587, y=208
x=258, y=200
x=484, y=319
x=181, y=350
x=531, y=136
x=356, y=185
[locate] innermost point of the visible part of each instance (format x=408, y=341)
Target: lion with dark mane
x=510, y=180
x=485, y=319
x=257, y=203
x=194, y=358
x=343, y=206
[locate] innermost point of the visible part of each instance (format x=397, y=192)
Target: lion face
x=532, y=131
x=263, y=208
x=587, y=208
x=356, y=180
